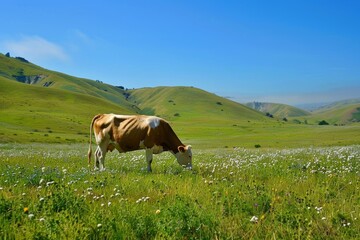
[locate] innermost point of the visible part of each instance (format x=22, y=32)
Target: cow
x=133, y=132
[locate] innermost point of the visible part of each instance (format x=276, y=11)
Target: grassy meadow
x=254, y=177
x=48, y=192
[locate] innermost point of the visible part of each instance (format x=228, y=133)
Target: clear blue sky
x=290, y=51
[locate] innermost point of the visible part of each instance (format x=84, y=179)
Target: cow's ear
x=181, y=148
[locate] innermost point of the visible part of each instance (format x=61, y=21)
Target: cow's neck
x=173, y=142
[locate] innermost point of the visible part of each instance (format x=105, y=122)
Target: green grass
x=47, y=191
x=266, y=134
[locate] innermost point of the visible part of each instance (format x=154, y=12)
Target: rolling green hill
x=39, y=105
x=34, y=113
x=278, y=110
x=42, y=105
x=20, y=71
x=189, y=103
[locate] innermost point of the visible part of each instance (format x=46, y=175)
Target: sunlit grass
x=48, y=191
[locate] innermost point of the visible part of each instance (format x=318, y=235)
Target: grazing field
x=48, y=192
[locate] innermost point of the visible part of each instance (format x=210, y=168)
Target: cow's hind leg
x=149, y=158
x=97, y=156
x=100, y=157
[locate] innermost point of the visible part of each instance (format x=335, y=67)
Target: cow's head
x=184, y=156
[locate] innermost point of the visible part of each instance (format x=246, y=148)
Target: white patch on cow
x=121, y=116
x=153, y=122
x=155, y=149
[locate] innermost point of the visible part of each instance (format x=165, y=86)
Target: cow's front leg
x=149, y=158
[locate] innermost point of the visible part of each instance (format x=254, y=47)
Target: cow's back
x=140, y=131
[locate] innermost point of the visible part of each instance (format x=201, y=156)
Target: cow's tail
x=90, y=142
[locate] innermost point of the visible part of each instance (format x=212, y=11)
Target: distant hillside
x=277, y=110
x=338, y=104
x=341, y=112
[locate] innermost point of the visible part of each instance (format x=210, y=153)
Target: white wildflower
x=254, y=219
x=318, y=209
x=50, y=183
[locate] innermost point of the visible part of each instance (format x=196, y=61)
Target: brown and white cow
x=132, y=132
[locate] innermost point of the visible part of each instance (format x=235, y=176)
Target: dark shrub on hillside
x=323, y=122
x=22, y=59
x=269, y=115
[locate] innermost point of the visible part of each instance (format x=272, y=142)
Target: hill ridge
x=277, y=109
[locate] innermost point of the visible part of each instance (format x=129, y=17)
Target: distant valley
x=340, y=112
